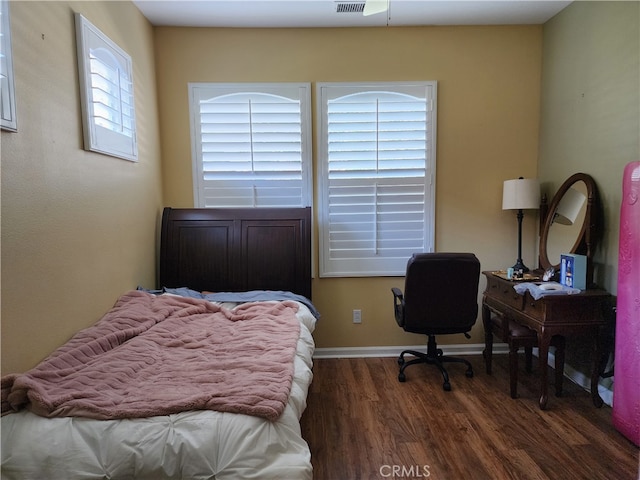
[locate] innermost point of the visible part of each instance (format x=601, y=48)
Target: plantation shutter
x=378, y=159
x=250, y=145
x=112, y=110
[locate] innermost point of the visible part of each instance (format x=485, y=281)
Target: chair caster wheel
x=446, y=387
x=469, y=373
x=402, y=377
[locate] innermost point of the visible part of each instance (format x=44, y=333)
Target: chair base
x=435, y=357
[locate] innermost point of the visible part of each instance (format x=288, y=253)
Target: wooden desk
x=564, y=315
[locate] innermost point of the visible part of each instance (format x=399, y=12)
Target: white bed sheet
x=187, y=445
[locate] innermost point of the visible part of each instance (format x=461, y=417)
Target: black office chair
x=440, y=298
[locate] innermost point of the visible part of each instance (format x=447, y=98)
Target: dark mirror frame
x=585, y=244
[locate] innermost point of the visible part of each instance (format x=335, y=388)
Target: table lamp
x=520, y=194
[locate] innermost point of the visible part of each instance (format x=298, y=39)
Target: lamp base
x=520, y=266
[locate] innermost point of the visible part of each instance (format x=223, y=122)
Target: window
x=251, y=144
x=111, y=94
x=7, y=91
x=106, y=78
x=376, y=174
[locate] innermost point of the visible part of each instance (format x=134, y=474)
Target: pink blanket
x=157, y=355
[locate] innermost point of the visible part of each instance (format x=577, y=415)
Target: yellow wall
x=488, y=116
x=590, y=117
x=591, y=108
x=78, y=228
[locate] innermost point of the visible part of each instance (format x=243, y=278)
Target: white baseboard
x=572, y=374
x=394, y=351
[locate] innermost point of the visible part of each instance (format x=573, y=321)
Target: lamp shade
x=569, y=207
x=521, y=194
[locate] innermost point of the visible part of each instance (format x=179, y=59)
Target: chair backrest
x=441, y=293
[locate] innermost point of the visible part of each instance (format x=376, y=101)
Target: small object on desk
x=573, y=270
x=539, y=290
x=548, y=275
x=510, y=273
x=504, y=274
x=550, y=286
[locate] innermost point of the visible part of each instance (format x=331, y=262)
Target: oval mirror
x=569, y=226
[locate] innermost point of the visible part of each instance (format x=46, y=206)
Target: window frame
x=382, y=266
x=282, y=89
x=7, y=122
x=97, y=137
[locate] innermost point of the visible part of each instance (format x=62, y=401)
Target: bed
x=204, y=376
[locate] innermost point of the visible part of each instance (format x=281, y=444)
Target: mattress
x=191, y=444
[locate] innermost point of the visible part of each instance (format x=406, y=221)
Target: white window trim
x=8, y=117
x=354, y=267
x=270, y=88
x=97, y=138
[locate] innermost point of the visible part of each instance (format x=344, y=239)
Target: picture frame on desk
x=573, y=271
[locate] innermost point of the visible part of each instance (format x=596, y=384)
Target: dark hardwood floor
x=361, y=423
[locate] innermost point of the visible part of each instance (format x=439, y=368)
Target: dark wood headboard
x=234, y=250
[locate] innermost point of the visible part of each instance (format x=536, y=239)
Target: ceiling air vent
x=349, y=7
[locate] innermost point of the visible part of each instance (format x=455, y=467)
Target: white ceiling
x=323, y=13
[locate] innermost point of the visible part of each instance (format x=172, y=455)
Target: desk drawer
x=503, y=291
x=570, y=309
x=534, y=308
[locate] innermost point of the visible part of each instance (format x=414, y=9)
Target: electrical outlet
x=357, y=316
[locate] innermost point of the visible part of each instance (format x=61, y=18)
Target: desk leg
x=488, y=338
x=559, y=365
x=544, y=339
x=595, y=372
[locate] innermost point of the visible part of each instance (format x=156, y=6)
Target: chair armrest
x=398, y=305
